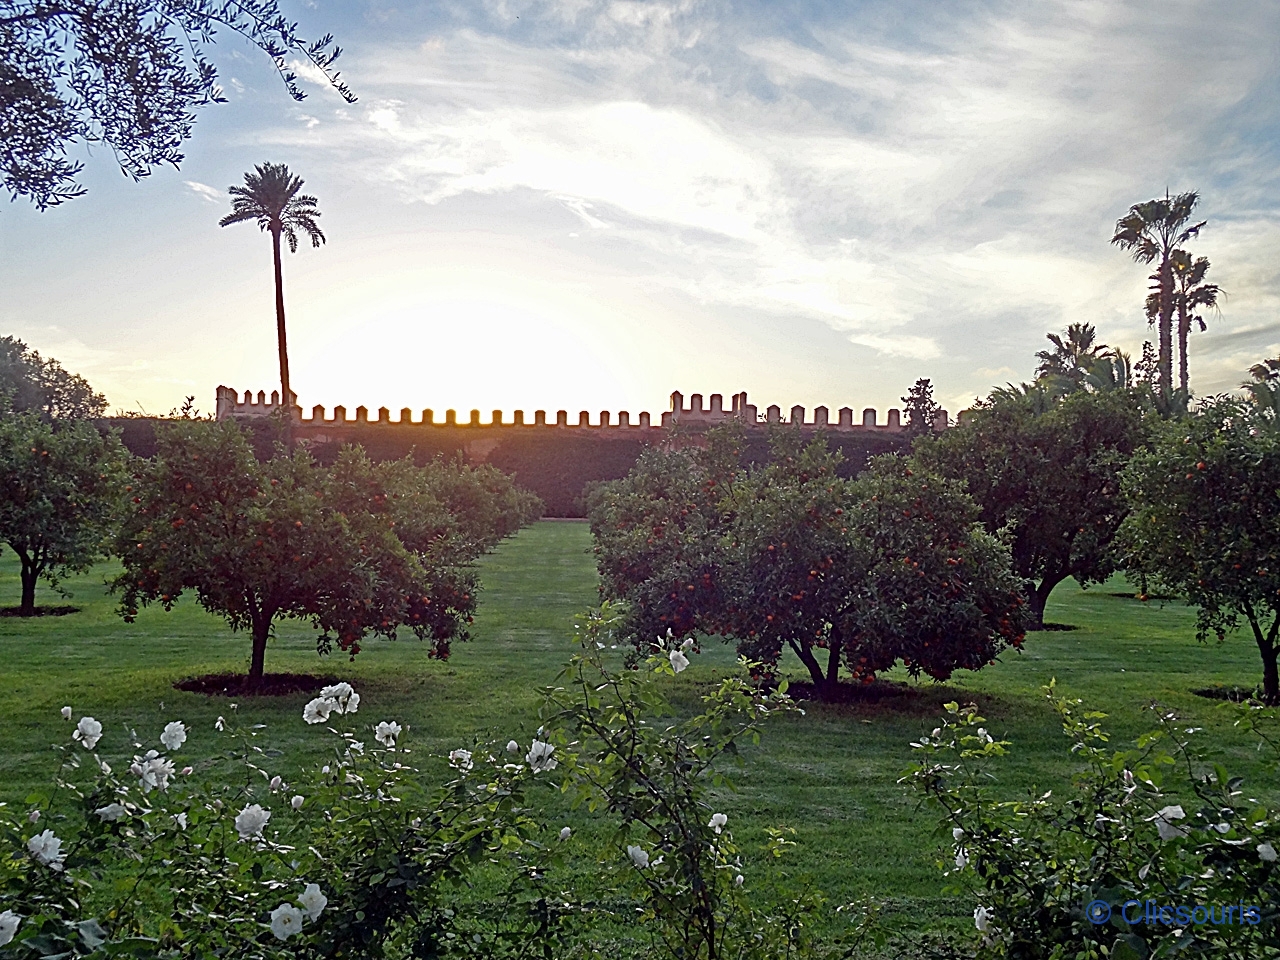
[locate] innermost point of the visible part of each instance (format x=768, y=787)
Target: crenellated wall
x=748, y=413
x=552, y=455
x=695, y=414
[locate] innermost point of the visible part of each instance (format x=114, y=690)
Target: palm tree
x=1190, y=294
x=1074, y=354
x=1152, y=231
x=1110, y=372
x=1265, y=387
x=270, y=196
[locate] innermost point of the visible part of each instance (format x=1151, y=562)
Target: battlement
x=230, y=407
x=748, y=413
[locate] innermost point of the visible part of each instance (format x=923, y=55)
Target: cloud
x=933, y=185
x=204, y=190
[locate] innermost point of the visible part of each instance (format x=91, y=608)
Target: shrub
x=1077, y=874
x=133, y=852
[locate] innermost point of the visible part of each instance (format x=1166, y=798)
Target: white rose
x=638, y=856
x=565, y=833
x=47, y=849
x=678, y=660
x=251, y=820
x=174, y=735
x=8, y=926
x=460, y=759
x=718, y=820
x=111, y=812
x=1267, y=852
x=387, y=731
x=318, y=710
x=513, y=747
x=539, y=757
x=962, y=858
x=296, y=803
x=313, y=901
x=286, y=920
x=982, y=920
x=66, y=715
x=1164, y=822
x=88, y=732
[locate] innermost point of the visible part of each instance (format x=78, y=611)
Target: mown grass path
x=831, y=773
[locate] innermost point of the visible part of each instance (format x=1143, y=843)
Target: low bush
x=135, y=852
x=1156, y=852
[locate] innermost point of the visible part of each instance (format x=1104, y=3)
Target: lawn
x=831, y=773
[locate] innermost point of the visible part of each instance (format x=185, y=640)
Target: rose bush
x=1157, y=823
x=134, y=851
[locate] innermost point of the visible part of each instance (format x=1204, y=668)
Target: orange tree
x=888, y=566
x=1046, y=474
x=357, y=549
x=1206, y=518
x=59, y=485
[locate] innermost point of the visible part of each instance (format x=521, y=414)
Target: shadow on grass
x=40, y=611
x=237, y=684
x=892, y=697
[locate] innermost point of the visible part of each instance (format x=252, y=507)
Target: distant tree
x=59, y=489
x=1110, y=373
x=1191, y=294
x=1152, y=232
x=361, y=548
x=788, y=555
x=30, y=383
x=1074, y=354
x=1263, y=387
x=1205, y=515
x=270, y=197
x=657, y=535
x=1046, y=476
x=921, y=409
x=129, y=75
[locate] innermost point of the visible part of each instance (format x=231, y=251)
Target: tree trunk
x=833, y=661
x=30, y=574
x=261, y=630
x=286, y=394
x=1267, y=648
x=1184, y=328
x=1166, y=330
x=1037, y=597
x=824, y=684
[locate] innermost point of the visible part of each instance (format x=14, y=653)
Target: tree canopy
x=1206, y=519
x=129, y=75
x=889, y=566
x=356, y=549
x=1046, y=475
x=29, y=382
x=59, y=490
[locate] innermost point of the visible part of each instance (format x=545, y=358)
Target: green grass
x=831, y=773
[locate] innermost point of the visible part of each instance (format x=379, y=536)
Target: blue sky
x=587, y=205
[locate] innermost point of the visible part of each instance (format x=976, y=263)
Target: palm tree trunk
x=1184, y=327
x=286, y=395
x=1166, y=330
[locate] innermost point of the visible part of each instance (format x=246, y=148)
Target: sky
x=589, y=204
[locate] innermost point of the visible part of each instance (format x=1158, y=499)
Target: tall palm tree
x=1152, y=231
x=270, y=196
x=1190, y=294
